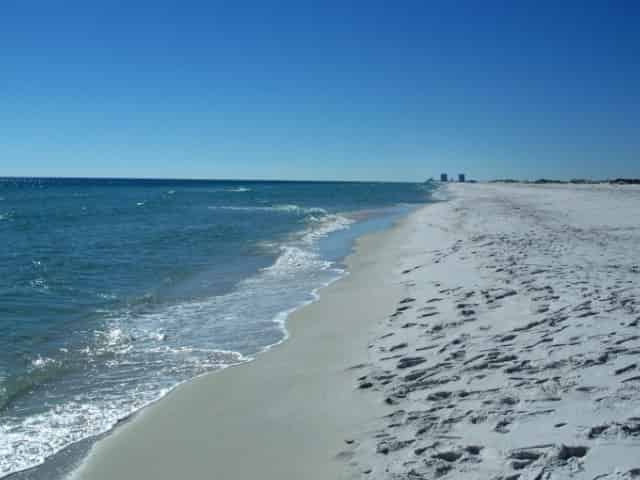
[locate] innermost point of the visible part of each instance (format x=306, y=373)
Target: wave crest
x=286, y=208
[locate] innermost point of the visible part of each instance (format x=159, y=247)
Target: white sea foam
x=287, y=208
x=301, y=210
x=39, y=284
x=294, y=259
x=239, y=189
x=41, y=362
x=159, y=336
x=113, y=340
x=28, y=442
x=107, y=296
x=326, y=225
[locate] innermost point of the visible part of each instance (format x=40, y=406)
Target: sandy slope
x=516, y=349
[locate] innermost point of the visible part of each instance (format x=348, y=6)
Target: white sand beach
x=514, y=352
x=493, y=335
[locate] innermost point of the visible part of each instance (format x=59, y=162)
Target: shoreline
x=65, y=461
x=112, y=455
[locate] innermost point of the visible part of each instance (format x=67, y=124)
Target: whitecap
x=286, y=208
x=40, y=362
x=107, y=296
x=293, y=258
x=159, y=336
x=300, y=210
x=321, y=227
x=115, y=336
x=239, y=189
x=39, y=283
x=114, y=340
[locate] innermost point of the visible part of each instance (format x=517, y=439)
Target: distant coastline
x=575, y=181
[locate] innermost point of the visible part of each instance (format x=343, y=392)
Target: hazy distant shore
x=575, y=181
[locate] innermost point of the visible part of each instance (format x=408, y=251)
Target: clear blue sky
x=319, y=90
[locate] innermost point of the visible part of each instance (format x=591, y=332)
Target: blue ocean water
x=112, y=292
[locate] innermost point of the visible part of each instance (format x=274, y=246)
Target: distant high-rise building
x=444, y=177
x=461, y=177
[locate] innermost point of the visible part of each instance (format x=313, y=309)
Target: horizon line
x=196, y=179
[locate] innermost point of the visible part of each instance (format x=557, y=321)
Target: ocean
x=114, y=291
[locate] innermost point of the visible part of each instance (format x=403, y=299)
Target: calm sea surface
x=112, y=292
